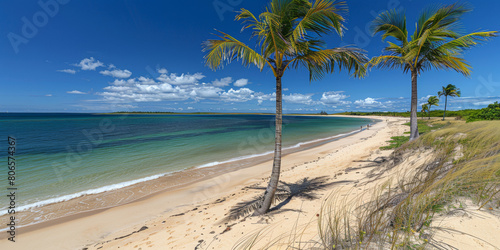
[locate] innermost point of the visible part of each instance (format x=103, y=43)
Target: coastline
x=96, y=199
x=211, y=180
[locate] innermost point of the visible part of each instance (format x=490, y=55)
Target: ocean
x=63, y=156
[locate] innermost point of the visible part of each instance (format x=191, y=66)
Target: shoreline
x=184, y=196
x=189, y=176
x=125, y=184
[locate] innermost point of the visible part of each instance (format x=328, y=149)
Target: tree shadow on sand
x=304, y=189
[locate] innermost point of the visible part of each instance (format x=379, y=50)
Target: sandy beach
x=195, y=216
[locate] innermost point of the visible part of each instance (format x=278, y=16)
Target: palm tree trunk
x=275, y=175
x=445, y=104
x=414, y=102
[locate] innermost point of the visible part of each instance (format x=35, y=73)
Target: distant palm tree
x=425, y=109
x=450, y=90
x=432, y=101
x=436, y=43
x=288, y=36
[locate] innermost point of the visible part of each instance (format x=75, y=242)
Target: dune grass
x=396, y=142
x=424, y=126
x=433, y=173
x=465, y=164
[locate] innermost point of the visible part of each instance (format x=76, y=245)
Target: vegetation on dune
x=400, y=215
x=396, y=142
x=288, y=36
x=459, y=162
x=423, y=127
x=492, y=112
x=436, y=43
x=434, y=113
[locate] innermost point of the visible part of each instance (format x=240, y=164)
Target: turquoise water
x=62, y=156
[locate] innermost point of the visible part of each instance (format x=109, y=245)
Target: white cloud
x=181, y=87
x=119, y=82
x=119, y=88
x=483, y=103
x=162, y=71
x=169, y=88
x=49, y=95
x=117, y=73
x=265, y=97
x=367, y=102
x=145, y=80
x=222, y=82
x=184, y=79
x=69, y=71
x=241, y=82
x=240, y=95
x=161, y=88
x=89, y=64
x=76, y=92
x=142, y=90
x=190, y=108
x=142, y=97
x=334, y=98
x=473, y=102
x=298, y=98
x=208, y=92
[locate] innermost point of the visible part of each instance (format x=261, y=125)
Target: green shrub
x=492, y=112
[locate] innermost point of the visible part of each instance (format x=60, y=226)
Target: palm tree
x=436, y=43
x=288, y=35
x=425, y=109
x=450, y=90
x=432, y=101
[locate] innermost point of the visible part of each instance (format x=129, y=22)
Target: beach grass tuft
x=464, y=164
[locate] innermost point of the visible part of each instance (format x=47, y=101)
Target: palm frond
x=388, y=62
x=425, y=107
x=435, y=26
x=433, y=101
x=450, y=90
x=445, y=17
x=322, y=17
x=228, y=49
x=288, y=34
x=455, y=63
x=394, y=48
x=467, y=41
x=327, y=60
x=250, y=21
x=391, y=23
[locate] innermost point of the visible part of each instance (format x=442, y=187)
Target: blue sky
x=132, y=55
